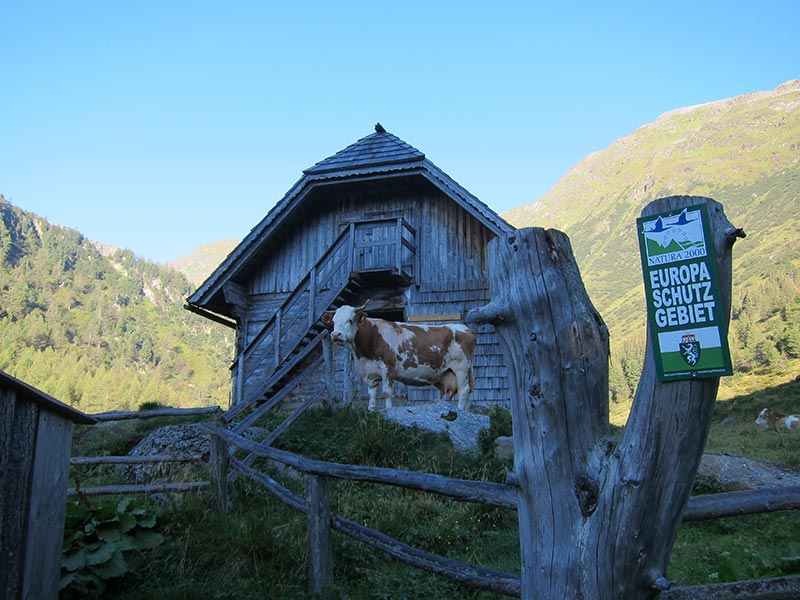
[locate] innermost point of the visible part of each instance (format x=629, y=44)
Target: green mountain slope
x=201, y=262
x=743, y=152
x=101, y=331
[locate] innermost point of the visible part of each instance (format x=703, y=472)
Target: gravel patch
x=739, y=473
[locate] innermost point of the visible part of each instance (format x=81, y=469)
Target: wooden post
x=330, y=377
x=320, y=549
x=219, y=459
x=597, y=519
x=277, y=341
x=312, y=297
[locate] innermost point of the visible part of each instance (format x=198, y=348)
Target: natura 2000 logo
x=675, y=238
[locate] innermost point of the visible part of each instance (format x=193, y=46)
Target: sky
x=161, y=126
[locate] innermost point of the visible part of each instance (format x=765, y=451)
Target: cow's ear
x=360, y=316
x=327, y=319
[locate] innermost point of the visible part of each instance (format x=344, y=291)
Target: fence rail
x=320, y=571
x=316, y=507
x=146, y=488
x=118, y=415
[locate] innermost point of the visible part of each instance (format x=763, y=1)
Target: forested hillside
x=745, y=153
x=101, y=332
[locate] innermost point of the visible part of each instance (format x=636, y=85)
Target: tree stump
x=597, y=518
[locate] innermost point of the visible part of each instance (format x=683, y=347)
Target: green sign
x=684, y=304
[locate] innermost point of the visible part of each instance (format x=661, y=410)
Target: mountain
x=743, y=152
x=99, y=328
x=198, y=264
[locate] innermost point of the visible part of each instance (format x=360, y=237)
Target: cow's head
x=343, y=323
x=768, y=417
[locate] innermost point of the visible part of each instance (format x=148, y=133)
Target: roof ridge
x=379, y=148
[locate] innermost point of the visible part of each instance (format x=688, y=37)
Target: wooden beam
x=775, y=588
x=149, y=488
x=134, y=460
x=236, y=296
x=434, y=318
x=745, y=502
x=118, y=415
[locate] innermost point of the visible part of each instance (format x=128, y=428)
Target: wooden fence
x=224, y=466
x=148, y=488
x=320, y=521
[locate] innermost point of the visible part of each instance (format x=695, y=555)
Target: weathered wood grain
x=774, y=588
x=48, y=496
x=133, y=460
x=744, y=502
x=35, y=439
x=20, y=420
x=597, y=519
x=148, y=488
x=118, y=415
x=318, y=539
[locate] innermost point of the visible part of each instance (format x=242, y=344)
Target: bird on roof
x=379, y=128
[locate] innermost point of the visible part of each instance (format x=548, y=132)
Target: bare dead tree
x=598, y=518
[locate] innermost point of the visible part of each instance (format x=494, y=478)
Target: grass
x=258, y=551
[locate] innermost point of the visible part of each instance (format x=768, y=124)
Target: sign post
x=684, y=305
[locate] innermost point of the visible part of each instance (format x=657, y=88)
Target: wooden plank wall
x=33, y=479
x=18, y=437
x=452, y=275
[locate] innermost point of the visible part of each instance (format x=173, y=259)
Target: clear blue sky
x=160, y=126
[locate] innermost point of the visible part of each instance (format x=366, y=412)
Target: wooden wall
x=34, y=464
x=452, y=276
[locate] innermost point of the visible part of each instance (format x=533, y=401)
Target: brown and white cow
x=389, y=351
x=772, y=418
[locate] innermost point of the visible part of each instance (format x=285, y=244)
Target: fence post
x=598, y=517
x=320, y=550
x=218, y=463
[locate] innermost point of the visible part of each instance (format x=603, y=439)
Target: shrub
x=150, y=405
x=104, y=544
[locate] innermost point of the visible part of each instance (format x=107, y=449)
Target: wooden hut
x=376, y=221
x=36, y=435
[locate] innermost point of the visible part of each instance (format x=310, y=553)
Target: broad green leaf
x=115, y=567
x=101, y=555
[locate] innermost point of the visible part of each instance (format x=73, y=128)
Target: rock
x=461, y=426
x=726, y=422
x=504, y=447
x=172, y=439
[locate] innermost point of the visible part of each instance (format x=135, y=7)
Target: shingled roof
x=371, y=156
x=376, y=150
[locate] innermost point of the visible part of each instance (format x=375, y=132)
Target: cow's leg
x=373, y=393
x=464, y=389
x=387, y=391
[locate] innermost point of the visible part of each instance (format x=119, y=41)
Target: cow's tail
x=471, y=380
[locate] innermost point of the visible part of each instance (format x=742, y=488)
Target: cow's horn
x=362, y=307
